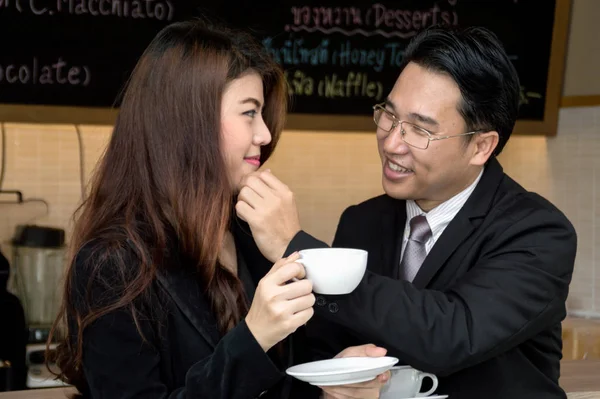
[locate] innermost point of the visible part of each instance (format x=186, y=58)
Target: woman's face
x=243, y=129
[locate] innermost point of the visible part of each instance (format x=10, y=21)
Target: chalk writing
x=347, y=55
x=300, y=84
x=410, y=20
x=293, y=52
x=296, y=52
x=526, y=95
x=378, y=19
x=161, y=10
x=327, y=16
x=353, y=84
x=57, y=73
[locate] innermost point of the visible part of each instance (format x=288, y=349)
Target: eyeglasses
x=413, y=135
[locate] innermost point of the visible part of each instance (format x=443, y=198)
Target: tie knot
x=419, y=229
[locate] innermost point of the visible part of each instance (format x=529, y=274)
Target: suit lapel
x=184, y=289
x=393, y=219
x=463, y=224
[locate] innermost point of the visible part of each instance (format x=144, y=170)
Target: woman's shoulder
x=104, y=249
x=104, y=256
x=104, y=268
x=109, y=280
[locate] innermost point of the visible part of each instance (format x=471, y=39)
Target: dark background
x=109, y=45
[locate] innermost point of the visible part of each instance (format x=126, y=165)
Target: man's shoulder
x=371, y=207
x=380, y=203
x=517, y=201
x=515, y=211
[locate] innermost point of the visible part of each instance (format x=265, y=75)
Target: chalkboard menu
x=67, y=60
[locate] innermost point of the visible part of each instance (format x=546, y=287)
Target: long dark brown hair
x=163, y=176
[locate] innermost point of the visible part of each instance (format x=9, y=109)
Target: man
x=468, y=273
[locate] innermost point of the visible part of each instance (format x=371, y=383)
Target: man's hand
x=268, y=206
x=363, y=390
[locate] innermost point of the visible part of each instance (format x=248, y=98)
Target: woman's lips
x=253, y=160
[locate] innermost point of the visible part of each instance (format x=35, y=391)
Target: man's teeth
x=397, y=168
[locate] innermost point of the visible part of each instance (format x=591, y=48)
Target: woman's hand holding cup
x=280, y=307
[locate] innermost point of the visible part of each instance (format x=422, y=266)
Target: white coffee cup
x=334, y=271
x=405, y=382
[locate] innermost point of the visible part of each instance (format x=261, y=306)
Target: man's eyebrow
x=423, y=119
x=414, y=116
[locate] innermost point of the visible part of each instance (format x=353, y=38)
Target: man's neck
x=428, y=205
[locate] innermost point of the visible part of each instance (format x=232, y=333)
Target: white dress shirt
x=440, y=216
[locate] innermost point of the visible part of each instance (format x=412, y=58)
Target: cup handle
x=433, y=388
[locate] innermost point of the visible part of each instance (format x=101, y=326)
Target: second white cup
x=405, y=382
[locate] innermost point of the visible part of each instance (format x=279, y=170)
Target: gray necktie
x=415, y=253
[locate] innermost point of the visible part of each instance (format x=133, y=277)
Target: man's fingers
x=273, y=182
x=384, y=377
x=369, y=350
x=244, y=211
x=256, y=183
x=249, y=196
x=348, y=391
x=375, y=351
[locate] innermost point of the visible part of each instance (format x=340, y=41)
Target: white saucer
x=342, y=371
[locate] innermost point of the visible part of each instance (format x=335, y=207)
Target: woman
x=160, y=299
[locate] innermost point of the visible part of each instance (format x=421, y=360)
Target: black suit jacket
x=484, y=311
x=184, y=355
